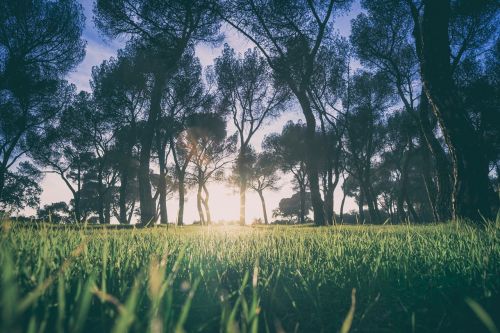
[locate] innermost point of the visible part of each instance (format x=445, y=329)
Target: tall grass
x=242, y=279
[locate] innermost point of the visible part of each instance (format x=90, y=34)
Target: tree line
x=402, y=115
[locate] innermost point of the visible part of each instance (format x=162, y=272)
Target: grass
x=241, y=279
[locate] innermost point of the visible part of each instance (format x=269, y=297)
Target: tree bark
x=312, y=154
x=180, y=213
x=243, y=190
x=162, y=184
x=470, y=167
x=442, y=165
x=264, y=211
x=205, y=204
x=122, y=200
x=199, y=205
x=148, y=209
x=302, y=191
x=342, y=207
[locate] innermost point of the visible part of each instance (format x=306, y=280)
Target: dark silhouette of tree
x=289, y=150
x=247, y=94
x=213, y=152
x=21, y=188
x=382, y=41
x=293, y=206
x=120, y=90
x=444, y=33
x=55, y=212
x=364, y=135
x=161, y=31
x=40, y=41
x=290, y=34
x=184, y=96
x=264, y=177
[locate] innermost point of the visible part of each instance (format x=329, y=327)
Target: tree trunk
x=470, y=167
x=180, y=213
x=430, y=187
x=360, y=204
x=342, y=207
x=122, y=199
x=148, y=209
x=205, y=204
x=261, y=195
x=302, y=191
x=199, y=204
x=312, y=154
x=162, y=184
x=443, y=169
x=243, y=190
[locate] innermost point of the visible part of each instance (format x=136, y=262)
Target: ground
x=443, y=278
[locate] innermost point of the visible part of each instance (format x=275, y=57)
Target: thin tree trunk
x=122, y=199
x=302, y=191
x=199, y=205
x=162, y=184
x=180, y=213
x=264, y=211
x=342, y=206
x=206, y=205
x=243, y=190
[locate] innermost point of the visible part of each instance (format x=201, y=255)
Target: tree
x=289, y=34
x=185, y=95
x=264, y=177
x=22, y=188
x=435, y=24
x=289, y=207
x=381, y=41
x=40, y=41
x=55, y=212
x=76, y=148
x=213, y=152
x=120, y=89
x=289, y=150
x=246, y=92
x=161, y=44
x=364, y=134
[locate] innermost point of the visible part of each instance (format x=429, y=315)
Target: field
x=443, y=278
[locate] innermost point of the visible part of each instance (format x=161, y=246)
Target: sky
x=224, y=200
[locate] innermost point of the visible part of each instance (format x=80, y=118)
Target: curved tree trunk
x=199, y=205
x=264, y=211
x=206, y=205
x=442, y=165
x=470, y=168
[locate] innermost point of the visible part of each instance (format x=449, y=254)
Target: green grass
x=242, y=279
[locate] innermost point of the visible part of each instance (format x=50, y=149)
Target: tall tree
x=290, y=34
x=364, y=135
x=289, y=150
x=161, y=31
x=246, y=92
x=264, y=177
x=438, y=27
x=381, y=39
x=40, y=41
x=213, y=152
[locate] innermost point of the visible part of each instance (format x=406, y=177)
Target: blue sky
x=224, y=200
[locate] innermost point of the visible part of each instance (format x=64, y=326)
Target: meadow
x=434, y=278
